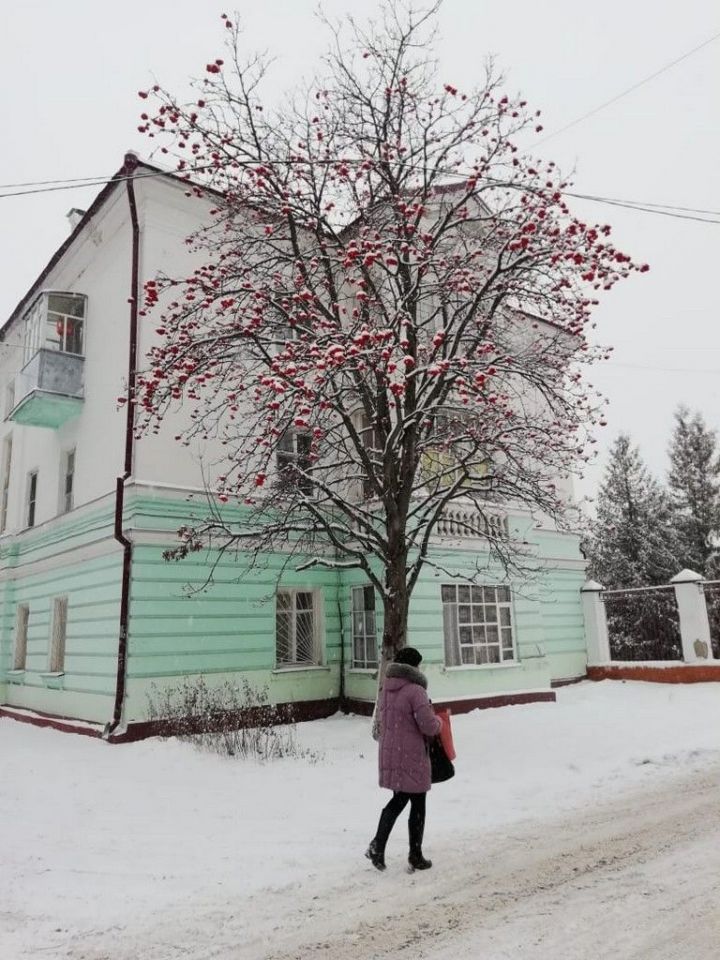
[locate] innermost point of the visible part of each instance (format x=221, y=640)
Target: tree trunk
x=396, y=608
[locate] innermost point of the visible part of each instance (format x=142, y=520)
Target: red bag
x=446, y=733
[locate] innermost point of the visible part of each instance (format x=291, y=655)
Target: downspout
x=129, y=166
x=341, y=621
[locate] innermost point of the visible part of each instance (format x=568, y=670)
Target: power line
x=645, y=203
x=656, y=208
x=624, y=93
x=659, y=209
x=90, y=182
x=650, y=369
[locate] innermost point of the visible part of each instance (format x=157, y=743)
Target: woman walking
x=406, y=719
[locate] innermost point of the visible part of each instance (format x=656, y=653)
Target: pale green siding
x=563, y=631
x=226, y=629
x=87, y=688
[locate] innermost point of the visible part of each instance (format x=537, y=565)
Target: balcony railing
x=468, y=522
x=49, y=389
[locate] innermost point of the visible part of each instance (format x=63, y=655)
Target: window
x=5, y=491
x=370, y=436
x=31, y=498
x=22, y=616
x=67, y=482
x=477, y=623
x=56, y=321
x=295, y=628
x=9, y=398
x=454, y=452
x=293, y=461
x=364, y=628
x=56, y=662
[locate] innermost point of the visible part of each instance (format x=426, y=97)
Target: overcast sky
x=70, y=71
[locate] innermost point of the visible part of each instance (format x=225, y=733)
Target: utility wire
x=660, y=209
x=93, y=182
x=624, y=93
x=644, y=203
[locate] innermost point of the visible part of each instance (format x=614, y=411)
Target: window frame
x=365, y=637
x=290, y=461
x=22, y=618
x=67, y=497
x=473, y=603
x=9, y=398
x=40, y=316
x=58, y=635
x=368, y=433
x=316, y=613
x=5, y=483
x=31, y=497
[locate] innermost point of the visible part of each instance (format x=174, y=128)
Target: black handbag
x=441, y=766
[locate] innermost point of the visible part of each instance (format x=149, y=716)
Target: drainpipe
x=131, y=162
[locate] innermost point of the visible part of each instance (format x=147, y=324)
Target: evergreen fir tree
x=694, y=485
x=633, y=540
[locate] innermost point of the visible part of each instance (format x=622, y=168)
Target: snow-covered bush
x=233, y=718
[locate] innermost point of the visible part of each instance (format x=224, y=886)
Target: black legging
x=416, y=821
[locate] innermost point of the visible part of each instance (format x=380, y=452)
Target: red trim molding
x=301, y=711
x=567, y=681
x=141, y=730
x=38, y=719
x=677, y=673
x=283, y=713
x=365, y=707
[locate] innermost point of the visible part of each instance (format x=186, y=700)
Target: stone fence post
x=596, y=631
x=694, y=624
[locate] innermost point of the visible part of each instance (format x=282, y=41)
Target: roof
x=129, y=169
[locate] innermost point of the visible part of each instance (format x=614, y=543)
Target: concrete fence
x=693, y=596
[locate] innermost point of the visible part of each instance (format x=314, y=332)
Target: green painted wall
x=88, y=686
x=228, y=629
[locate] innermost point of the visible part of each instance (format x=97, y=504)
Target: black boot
x=416, y=861
x=416, y=824
x=375, y=855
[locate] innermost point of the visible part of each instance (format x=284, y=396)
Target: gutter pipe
x=130, y=164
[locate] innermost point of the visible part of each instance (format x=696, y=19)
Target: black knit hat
x=409, y=655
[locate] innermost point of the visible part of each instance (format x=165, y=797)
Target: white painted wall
x=99, y=265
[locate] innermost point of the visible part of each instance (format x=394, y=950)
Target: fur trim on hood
x=403, y=671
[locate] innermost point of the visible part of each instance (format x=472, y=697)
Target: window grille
x=295, y=628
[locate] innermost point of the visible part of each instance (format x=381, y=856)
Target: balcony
x=49, y=389
x=459, y=522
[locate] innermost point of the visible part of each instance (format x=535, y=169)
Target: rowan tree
x=393, y=311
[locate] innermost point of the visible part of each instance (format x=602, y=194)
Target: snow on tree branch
x=392, y=314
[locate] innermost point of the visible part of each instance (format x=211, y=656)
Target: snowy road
x=636, y=878
x=589, y=828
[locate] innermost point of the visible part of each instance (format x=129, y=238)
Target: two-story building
x=92, y=616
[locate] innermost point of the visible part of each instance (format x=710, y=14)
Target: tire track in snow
x=579, y=887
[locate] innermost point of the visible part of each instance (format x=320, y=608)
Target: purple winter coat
x=406, y=719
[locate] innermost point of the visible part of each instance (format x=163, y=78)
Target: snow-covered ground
x=157, y=851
